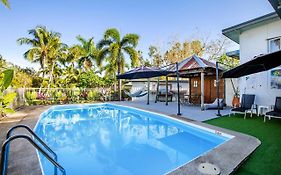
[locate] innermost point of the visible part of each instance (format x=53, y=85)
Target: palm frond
x=82, y=40
x=133, y=54
x=130, y=39
x=6, y=3
x=27, y=41
x=102, y=43
x=113, y=34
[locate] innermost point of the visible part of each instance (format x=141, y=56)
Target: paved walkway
x=190, y=112
x=22, y=158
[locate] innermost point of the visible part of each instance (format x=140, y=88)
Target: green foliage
x=157, y=59
x=6, y=81
x=6, y=3
x=228, y=62
x=6, y=99
x=22, y=79
x=113, y=47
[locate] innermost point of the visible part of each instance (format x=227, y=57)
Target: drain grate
x=208, y=168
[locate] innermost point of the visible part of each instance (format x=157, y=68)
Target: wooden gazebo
x=202, y=80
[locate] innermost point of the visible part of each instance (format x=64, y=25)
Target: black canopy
x=258, y=64
x=144, y=72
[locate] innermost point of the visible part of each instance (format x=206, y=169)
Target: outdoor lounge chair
x=214, y=105
x=247, y=105
x=276, y=113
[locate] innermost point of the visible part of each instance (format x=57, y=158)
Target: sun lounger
x=247, y=105
x=276, y=113
x=214, y=105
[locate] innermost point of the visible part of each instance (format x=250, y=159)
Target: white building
x=261, y=35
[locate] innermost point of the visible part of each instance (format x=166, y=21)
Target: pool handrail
x=9, y=133
x=5, y=151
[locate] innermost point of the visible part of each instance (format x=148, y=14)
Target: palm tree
x=57, y=53
x=113, y=48
x=88, y=53
x=46, y=48
x=6, y=3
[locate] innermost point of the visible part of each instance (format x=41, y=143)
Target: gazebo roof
x=194, y=65
x=195, y=62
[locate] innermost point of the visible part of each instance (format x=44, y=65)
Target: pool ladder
x=6, y=147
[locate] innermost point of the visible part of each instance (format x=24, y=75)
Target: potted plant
x=236, y=97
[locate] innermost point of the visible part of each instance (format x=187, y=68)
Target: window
x=274, y=44
x=215, y=83
x=195, y=83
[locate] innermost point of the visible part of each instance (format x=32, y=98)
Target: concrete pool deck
x=190, y=112
x=227, y=157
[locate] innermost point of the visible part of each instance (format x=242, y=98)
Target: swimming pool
x=113, y=139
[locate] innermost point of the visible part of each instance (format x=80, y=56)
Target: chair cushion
x=277, y=107
x=247, y=100
x=273, y=113
x=240, y=109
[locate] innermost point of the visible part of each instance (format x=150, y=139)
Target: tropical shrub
x=6, y=99
x=31, y=97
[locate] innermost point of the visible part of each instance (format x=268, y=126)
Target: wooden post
x=148, y=89
x=202, y=90
x=166, y=90
x=157, y=90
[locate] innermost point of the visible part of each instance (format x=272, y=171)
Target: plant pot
x=235, y=101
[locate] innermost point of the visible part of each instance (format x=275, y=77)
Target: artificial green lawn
x=266, y=160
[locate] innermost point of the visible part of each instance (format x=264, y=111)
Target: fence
x=45, y=96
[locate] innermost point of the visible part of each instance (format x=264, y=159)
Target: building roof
x=276, y=4
x=234, y=31
x=195, y=62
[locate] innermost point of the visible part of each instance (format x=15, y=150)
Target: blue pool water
x=111, y=139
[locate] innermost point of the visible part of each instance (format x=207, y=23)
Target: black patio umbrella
x=144, y=72
x=258, y=64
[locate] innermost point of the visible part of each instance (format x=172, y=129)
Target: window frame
x=271, y=40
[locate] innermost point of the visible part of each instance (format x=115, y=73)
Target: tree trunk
x=114, y=87
x=51, y=75
x=119, y=82
x=42, y=82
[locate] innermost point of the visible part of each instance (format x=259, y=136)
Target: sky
x=158, y=22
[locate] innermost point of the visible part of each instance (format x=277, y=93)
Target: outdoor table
x=262, y=110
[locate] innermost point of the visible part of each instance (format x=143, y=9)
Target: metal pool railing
x=6, y=149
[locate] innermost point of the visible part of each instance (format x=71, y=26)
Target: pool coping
x=228, y=157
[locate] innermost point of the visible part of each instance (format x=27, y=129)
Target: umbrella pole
x=148, y=87
x=157, y=90
x=178, y=85
x=166, y=90
x=218, y=89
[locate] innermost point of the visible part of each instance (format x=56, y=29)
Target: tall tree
x=180, y=51
x=88, y=53
x=157, y=59
x=46, y=48
x=113, y=49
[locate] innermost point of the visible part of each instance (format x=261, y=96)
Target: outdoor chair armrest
x=254, y=106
